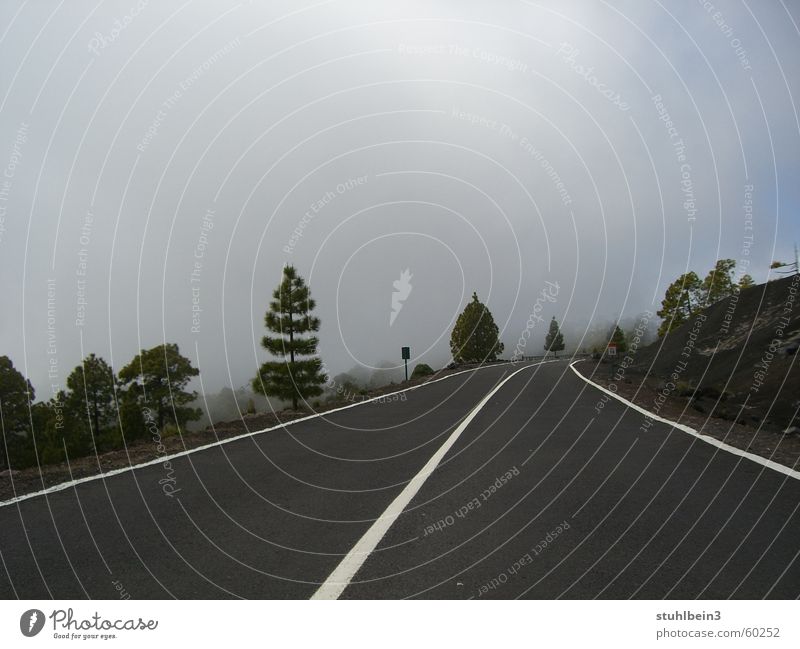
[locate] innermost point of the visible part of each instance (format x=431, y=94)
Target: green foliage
x=91, y=398
x=746, y=281
x=132, y=425
x=475, y=336
x=554, y=340
x=289, y=316
x=618, y=337
x=420, y=370
x=110, y=439
x=64, y=434
x=84, y=418
x=16, y=397
x=156, y=379
x=681, y=300
x=687, y=294
x=170, y=430
x=718, y=284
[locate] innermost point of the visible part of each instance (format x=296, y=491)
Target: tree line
x=476, y=338
x=98, y=410
x=688, y=294
x=297, y=374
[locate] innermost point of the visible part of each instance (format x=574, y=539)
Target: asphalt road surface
x=539, y=496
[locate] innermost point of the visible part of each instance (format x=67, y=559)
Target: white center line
x=340, y=578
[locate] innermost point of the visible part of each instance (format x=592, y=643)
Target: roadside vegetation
x=98, y=411
x=297, y=374
x=688, y=295
x=475, y=337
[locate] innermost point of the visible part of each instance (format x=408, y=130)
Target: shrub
x=420, y=370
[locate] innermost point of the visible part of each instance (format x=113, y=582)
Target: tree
x=554, y=340
x=156, y=379
x=475, y=336
x=91, y=396
x=746, y=281
x=718, y=284
x=63, y=433
x=132, y=424
x=618, y=337
x=289, y=316
x=16, y=397
x=681, y=300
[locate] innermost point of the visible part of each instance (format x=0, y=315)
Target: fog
x=163, y=158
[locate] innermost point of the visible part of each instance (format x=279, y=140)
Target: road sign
x=406, y=352
x=612, y=349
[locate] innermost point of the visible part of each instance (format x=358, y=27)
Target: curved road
x=538, y=496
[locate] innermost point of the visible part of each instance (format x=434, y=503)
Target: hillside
x=736, y=359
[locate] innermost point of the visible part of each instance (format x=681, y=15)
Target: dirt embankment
x=731, y=372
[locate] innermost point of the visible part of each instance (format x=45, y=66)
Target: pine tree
x=746, y=281
x=618, y=337
x=91, y=396
x=718, y=284
x=291, y=378
x=64, y=434
x=156, y=379
x=475, y=336
x=554, y=341
x=680, y=301
x=16, y=397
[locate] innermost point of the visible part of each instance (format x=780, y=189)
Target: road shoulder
x=643, y=393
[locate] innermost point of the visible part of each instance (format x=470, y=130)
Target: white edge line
x=165, y=458
x=770, y=464
x=340, y=578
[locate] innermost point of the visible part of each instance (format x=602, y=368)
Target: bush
x=21, y=454
x=421, y=370
x=170, y=430
x=109, y=440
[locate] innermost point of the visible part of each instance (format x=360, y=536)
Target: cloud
x=499, y=148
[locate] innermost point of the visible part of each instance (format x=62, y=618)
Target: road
x=539, y=495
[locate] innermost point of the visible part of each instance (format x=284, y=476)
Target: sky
x=162, y=162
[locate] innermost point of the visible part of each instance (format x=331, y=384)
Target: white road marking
x=775, y=466
x=340, y=578
x=164, y=458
